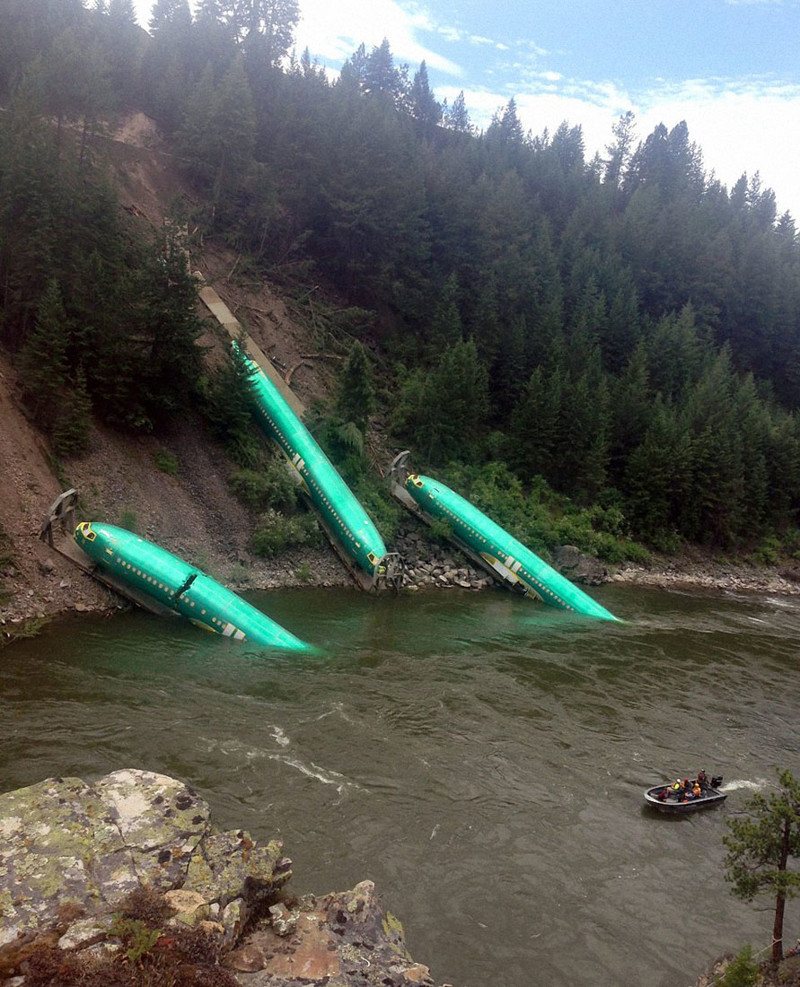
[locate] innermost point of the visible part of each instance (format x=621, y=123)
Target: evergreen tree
x=265, y=28
x=121, y=12
x=71, y=427
x=619, y=153
x=460, y=376
x=445, y=329
x=657, y=480
x=718, y=498
x=424, y=108
x=218, y=134
x=355, y=400
x=43, y=359
x=380, y=77
x=760, y=848
x=168, y=329
x=457, y=117
x=227, y=404
x=172, y=16
x=505, y=130
x=632, y=404
x=534, y=421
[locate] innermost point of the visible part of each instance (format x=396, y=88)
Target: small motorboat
x=678, y=797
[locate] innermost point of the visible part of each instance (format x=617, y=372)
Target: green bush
x=541, y=518
x=742, y=971
x=166, y=462
x=768, y=552
x=441, y=530
x=271, y=486
x=385, y=512
x=128, y=520
x=276, y=532
x=138, y=938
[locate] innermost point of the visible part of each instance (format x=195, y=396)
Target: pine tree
x=424, y=108
x=171, y=16
x=218, y=134
x=457, y=117
x=505, y=130
x=265, y=28
x=619, y=153
x=122, y=12
x=445, y=327
x=43, y=359
x=380, y=77
x=355, y=400
x=760, y=847
x=71, y=428
x=533, y=426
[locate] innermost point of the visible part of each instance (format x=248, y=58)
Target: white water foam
x=746, y=784
x=320, y=774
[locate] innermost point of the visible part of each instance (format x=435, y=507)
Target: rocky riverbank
x=50, y=585
x=126, y=881
x=695, y=571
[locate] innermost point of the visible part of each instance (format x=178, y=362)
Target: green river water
x=480, y=757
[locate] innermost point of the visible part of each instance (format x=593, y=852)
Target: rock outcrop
x=73, y=855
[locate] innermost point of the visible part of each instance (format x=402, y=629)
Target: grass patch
x=144, y=950
x=129, y=521
x=23, y=629
x=166, y=462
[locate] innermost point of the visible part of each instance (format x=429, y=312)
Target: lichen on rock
x=129, y=872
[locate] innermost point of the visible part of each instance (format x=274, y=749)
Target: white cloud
x=334, y=31
x=740, y=126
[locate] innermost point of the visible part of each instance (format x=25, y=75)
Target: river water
x=480, y=757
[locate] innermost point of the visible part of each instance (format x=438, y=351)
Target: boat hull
x=712, y=797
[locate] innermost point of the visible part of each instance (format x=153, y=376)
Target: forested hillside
x=623, y=332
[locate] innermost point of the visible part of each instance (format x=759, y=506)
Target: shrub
x=166, y=461
x=276, y=532
x=269, y=487
x=128, y=520
x=441, y=530
x=768, y=552
x=742, y=971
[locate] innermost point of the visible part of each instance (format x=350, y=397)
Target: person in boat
x=663, y=795
x=702, y=779
x=697, y=791
x=677, y=786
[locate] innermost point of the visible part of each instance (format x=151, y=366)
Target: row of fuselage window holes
x=472, y=531
x=325, y=500
x=170, y=592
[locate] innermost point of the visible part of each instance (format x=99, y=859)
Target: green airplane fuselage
x=508, y=557
x=181, y=587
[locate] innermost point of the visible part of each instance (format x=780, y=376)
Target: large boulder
x=65, y=842
x=128, y=874
x=580, y=568
x=340, y=939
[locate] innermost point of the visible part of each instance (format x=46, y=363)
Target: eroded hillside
x=193, y=512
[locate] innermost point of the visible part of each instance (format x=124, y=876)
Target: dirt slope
x=192, y=513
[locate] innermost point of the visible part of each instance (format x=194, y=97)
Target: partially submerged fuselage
x=342, y=515
x=507, y=557
x=180, y=587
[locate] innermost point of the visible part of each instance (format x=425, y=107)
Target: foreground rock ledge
x=72, y=852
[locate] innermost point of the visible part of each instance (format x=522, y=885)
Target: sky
x=729, y=68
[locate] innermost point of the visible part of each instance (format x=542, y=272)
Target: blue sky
x=728, y=67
